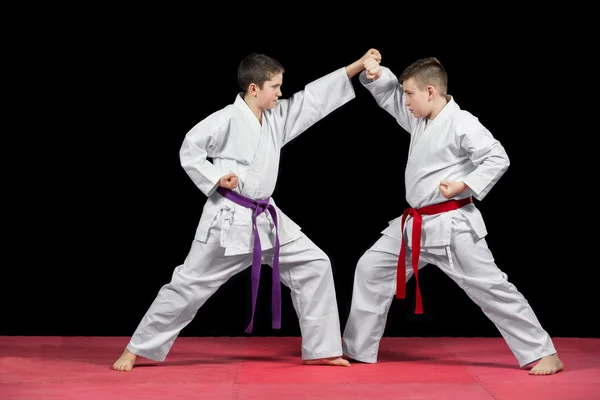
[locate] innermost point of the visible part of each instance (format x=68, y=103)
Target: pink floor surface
x=79, y=368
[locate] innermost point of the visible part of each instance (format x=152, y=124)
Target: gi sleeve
x=319, y=98
x=199, y=144
x=488, y=156
x=389, y=95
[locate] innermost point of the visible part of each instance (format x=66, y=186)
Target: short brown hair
x=257, y=68
x=427, y=71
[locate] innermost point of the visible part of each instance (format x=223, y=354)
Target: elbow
x=185, y=156
x=184, y=161
x=506, y=162
x=183, y=153
x=501, y=157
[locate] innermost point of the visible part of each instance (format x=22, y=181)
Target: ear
x=430, y=92
x=253, y=89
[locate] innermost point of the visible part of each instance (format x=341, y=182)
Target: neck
x=438, y=106
x=256, y=110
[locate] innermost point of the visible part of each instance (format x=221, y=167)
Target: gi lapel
x=250, y=184
x=253, y=175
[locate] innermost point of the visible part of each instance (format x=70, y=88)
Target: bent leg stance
x=470, y=263
x=205, y=270
x=372, y=295
x=306, y=270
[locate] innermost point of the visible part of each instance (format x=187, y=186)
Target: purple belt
x=258, y=207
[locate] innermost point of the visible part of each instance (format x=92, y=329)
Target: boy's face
x=417, y=100
x=270, y=92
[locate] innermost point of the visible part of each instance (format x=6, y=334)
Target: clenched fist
x=451, y=188
x=374, y=54
x=372, y=68
x=229, y=181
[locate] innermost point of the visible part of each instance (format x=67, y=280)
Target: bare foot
x=337, y=361
x=547, y=366
x=125, y=362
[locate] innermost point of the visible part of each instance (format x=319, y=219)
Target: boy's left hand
x=372, y=53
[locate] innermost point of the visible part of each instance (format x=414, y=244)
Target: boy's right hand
x=229, y=181
x=372, y=69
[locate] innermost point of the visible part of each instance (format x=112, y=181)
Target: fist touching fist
x=372, y=68
x=374, y=54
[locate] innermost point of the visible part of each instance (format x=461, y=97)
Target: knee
x=373, y=286
x=495, y=282
x=185, y=288
x=373, y=276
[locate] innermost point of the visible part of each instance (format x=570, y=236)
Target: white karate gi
x=454, y=146
x=232, y=140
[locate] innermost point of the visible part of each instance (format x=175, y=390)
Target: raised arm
x=358, y=65
x=383, y=85
x=319, y=98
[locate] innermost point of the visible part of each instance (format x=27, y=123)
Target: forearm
x=488, y=172
x=463, y=186
x=355, y=68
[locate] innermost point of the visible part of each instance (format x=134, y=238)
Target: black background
x=99, y=211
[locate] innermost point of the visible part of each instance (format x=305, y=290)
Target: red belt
x=416, y=244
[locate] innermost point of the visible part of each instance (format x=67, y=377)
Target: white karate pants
x=469, y=262
x=304, y=268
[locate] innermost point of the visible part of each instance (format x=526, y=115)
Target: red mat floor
x=79, y=368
